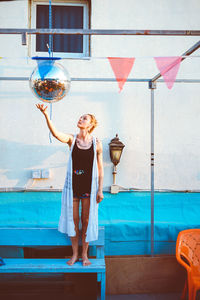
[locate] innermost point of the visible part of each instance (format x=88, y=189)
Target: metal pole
x=99, y=31
x=114, y=174
x=103, y=79
x=81, y=79
x=152, y=86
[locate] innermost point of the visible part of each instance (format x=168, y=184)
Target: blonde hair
x=93, y=122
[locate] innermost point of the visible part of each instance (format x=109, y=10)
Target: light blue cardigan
x=66, y=223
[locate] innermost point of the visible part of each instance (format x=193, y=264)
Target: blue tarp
x=126, y=217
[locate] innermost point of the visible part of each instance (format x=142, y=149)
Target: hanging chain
x=50, y=27
x=50, y=50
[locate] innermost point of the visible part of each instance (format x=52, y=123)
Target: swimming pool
x=126, y=217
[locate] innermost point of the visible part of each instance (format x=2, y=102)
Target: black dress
x=82, y=163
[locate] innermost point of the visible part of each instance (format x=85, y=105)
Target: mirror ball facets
x=49, y=81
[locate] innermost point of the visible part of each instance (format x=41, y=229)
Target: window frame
x=86, y=43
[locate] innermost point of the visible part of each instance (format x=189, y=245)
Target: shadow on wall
x=18, y=158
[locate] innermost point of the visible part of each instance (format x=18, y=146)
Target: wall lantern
x=116, y=148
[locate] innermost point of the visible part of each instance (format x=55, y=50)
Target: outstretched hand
x=42, y=108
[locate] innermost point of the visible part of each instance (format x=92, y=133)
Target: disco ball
x=49, y=81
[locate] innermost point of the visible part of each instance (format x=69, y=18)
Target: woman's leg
x=85, y=203
x=75, y=239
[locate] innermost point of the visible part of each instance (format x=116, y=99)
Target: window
x=70, y=15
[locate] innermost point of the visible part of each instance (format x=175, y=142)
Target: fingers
x=41, y=107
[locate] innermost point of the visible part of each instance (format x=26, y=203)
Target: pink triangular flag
x=121, y=67
x=168, y=67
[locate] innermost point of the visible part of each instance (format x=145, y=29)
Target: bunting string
x=122, y=67
x=168, y=68
x=102, y=57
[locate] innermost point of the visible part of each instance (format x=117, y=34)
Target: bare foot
x=86, y=261
x=72, y=260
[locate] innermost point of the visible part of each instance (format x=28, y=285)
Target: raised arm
x=62, y=137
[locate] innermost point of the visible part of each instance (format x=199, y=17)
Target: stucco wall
x=24, y=139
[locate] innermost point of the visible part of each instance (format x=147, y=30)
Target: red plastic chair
x=188, y=255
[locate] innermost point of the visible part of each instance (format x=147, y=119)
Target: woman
x=83, y=183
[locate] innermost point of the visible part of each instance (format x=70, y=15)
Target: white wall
x=24, y=140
